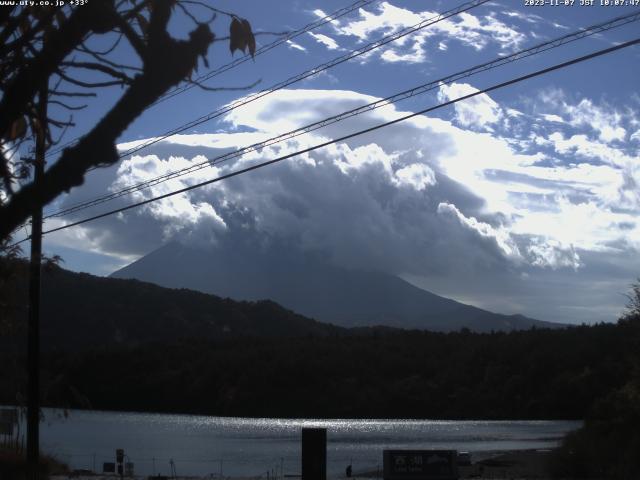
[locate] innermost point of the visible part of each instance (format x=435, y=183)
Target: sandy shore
x=519, y=464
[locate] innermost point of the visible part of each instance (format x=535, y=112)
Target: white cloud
x=585, y=225
x=178, y=213
x=417, y=175
x=552, y=118
x=472, y=31
x=606, y=122
x=518, y=186
x=531, y=18
x=478, y=112
x=415, y=54
x=389, y=19
x=325, y=40
x=552, y=253
x=582, y=146
x=295, y=46
x=267, y=114
x=628, y=188
x=321, y=14
x=500, y=236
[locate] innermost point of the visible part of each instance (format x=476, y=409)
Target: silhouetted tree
x=607, y=445
x=633, y=305
x=52, y=46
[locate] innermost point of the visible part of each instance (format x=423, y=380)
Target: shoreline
x=521, y=464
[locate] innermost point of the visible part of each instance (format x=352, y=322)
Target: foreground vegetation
x=607, y=445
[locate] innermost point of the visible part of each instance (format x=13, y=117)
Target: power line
x=309, y=73
x=349, y=136
x=543, y=47
x=324, y=20
x=240, y=60
x=306, y=74
x=314, y=71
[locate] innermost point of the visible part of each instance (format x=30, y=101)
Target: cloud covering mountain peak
x=423, y=198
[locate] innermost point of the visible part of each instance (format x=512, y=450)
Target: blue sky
x=522, y=201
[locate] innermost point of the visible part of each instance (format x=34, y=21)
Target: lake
x=201, y=445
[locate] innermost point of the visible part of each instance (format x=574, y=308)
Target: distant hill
x=313, y=287
x=84, y=311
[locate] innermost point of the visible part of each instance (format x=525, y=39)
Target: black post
x=314, y=453
x=33, y=329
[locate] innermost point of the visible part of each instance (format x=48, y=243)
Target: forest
x=535, y=374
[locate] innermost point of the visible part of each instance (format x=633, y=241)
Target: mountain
x=313, y=287
x=82, y=311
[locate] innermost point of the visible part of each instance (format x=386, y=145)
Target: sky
x=523, y=200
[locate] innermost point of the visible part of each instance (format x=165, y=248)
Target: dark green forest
x=534, y=374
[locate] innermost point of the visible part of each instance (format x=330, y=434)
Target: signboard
x=420, y=464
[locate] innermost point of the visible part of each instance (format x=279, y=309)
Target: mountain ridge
x=83, y=311
x=314, y=288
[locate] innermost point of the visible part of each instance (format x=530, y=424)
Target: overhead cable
x=240, y=60
x=420, y=89
x=308, y=73
x=349, y=136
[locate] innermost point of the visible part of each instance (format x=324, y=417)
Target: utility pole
x=33, y=330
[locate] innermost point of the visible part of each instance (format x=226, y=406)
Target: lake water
x=201, y=445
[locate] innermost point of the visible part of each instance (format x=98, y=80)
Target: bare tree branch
x=28, y=37
x=56, y=48
x=60, y=123
x=96, y=16
x=72, y=94
x=12, y=25
x=99, y=56
x=104, y=52
x=67, y=106
x=99, y=67
x=131, y=35
x=166, y=62
x=84, y=84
